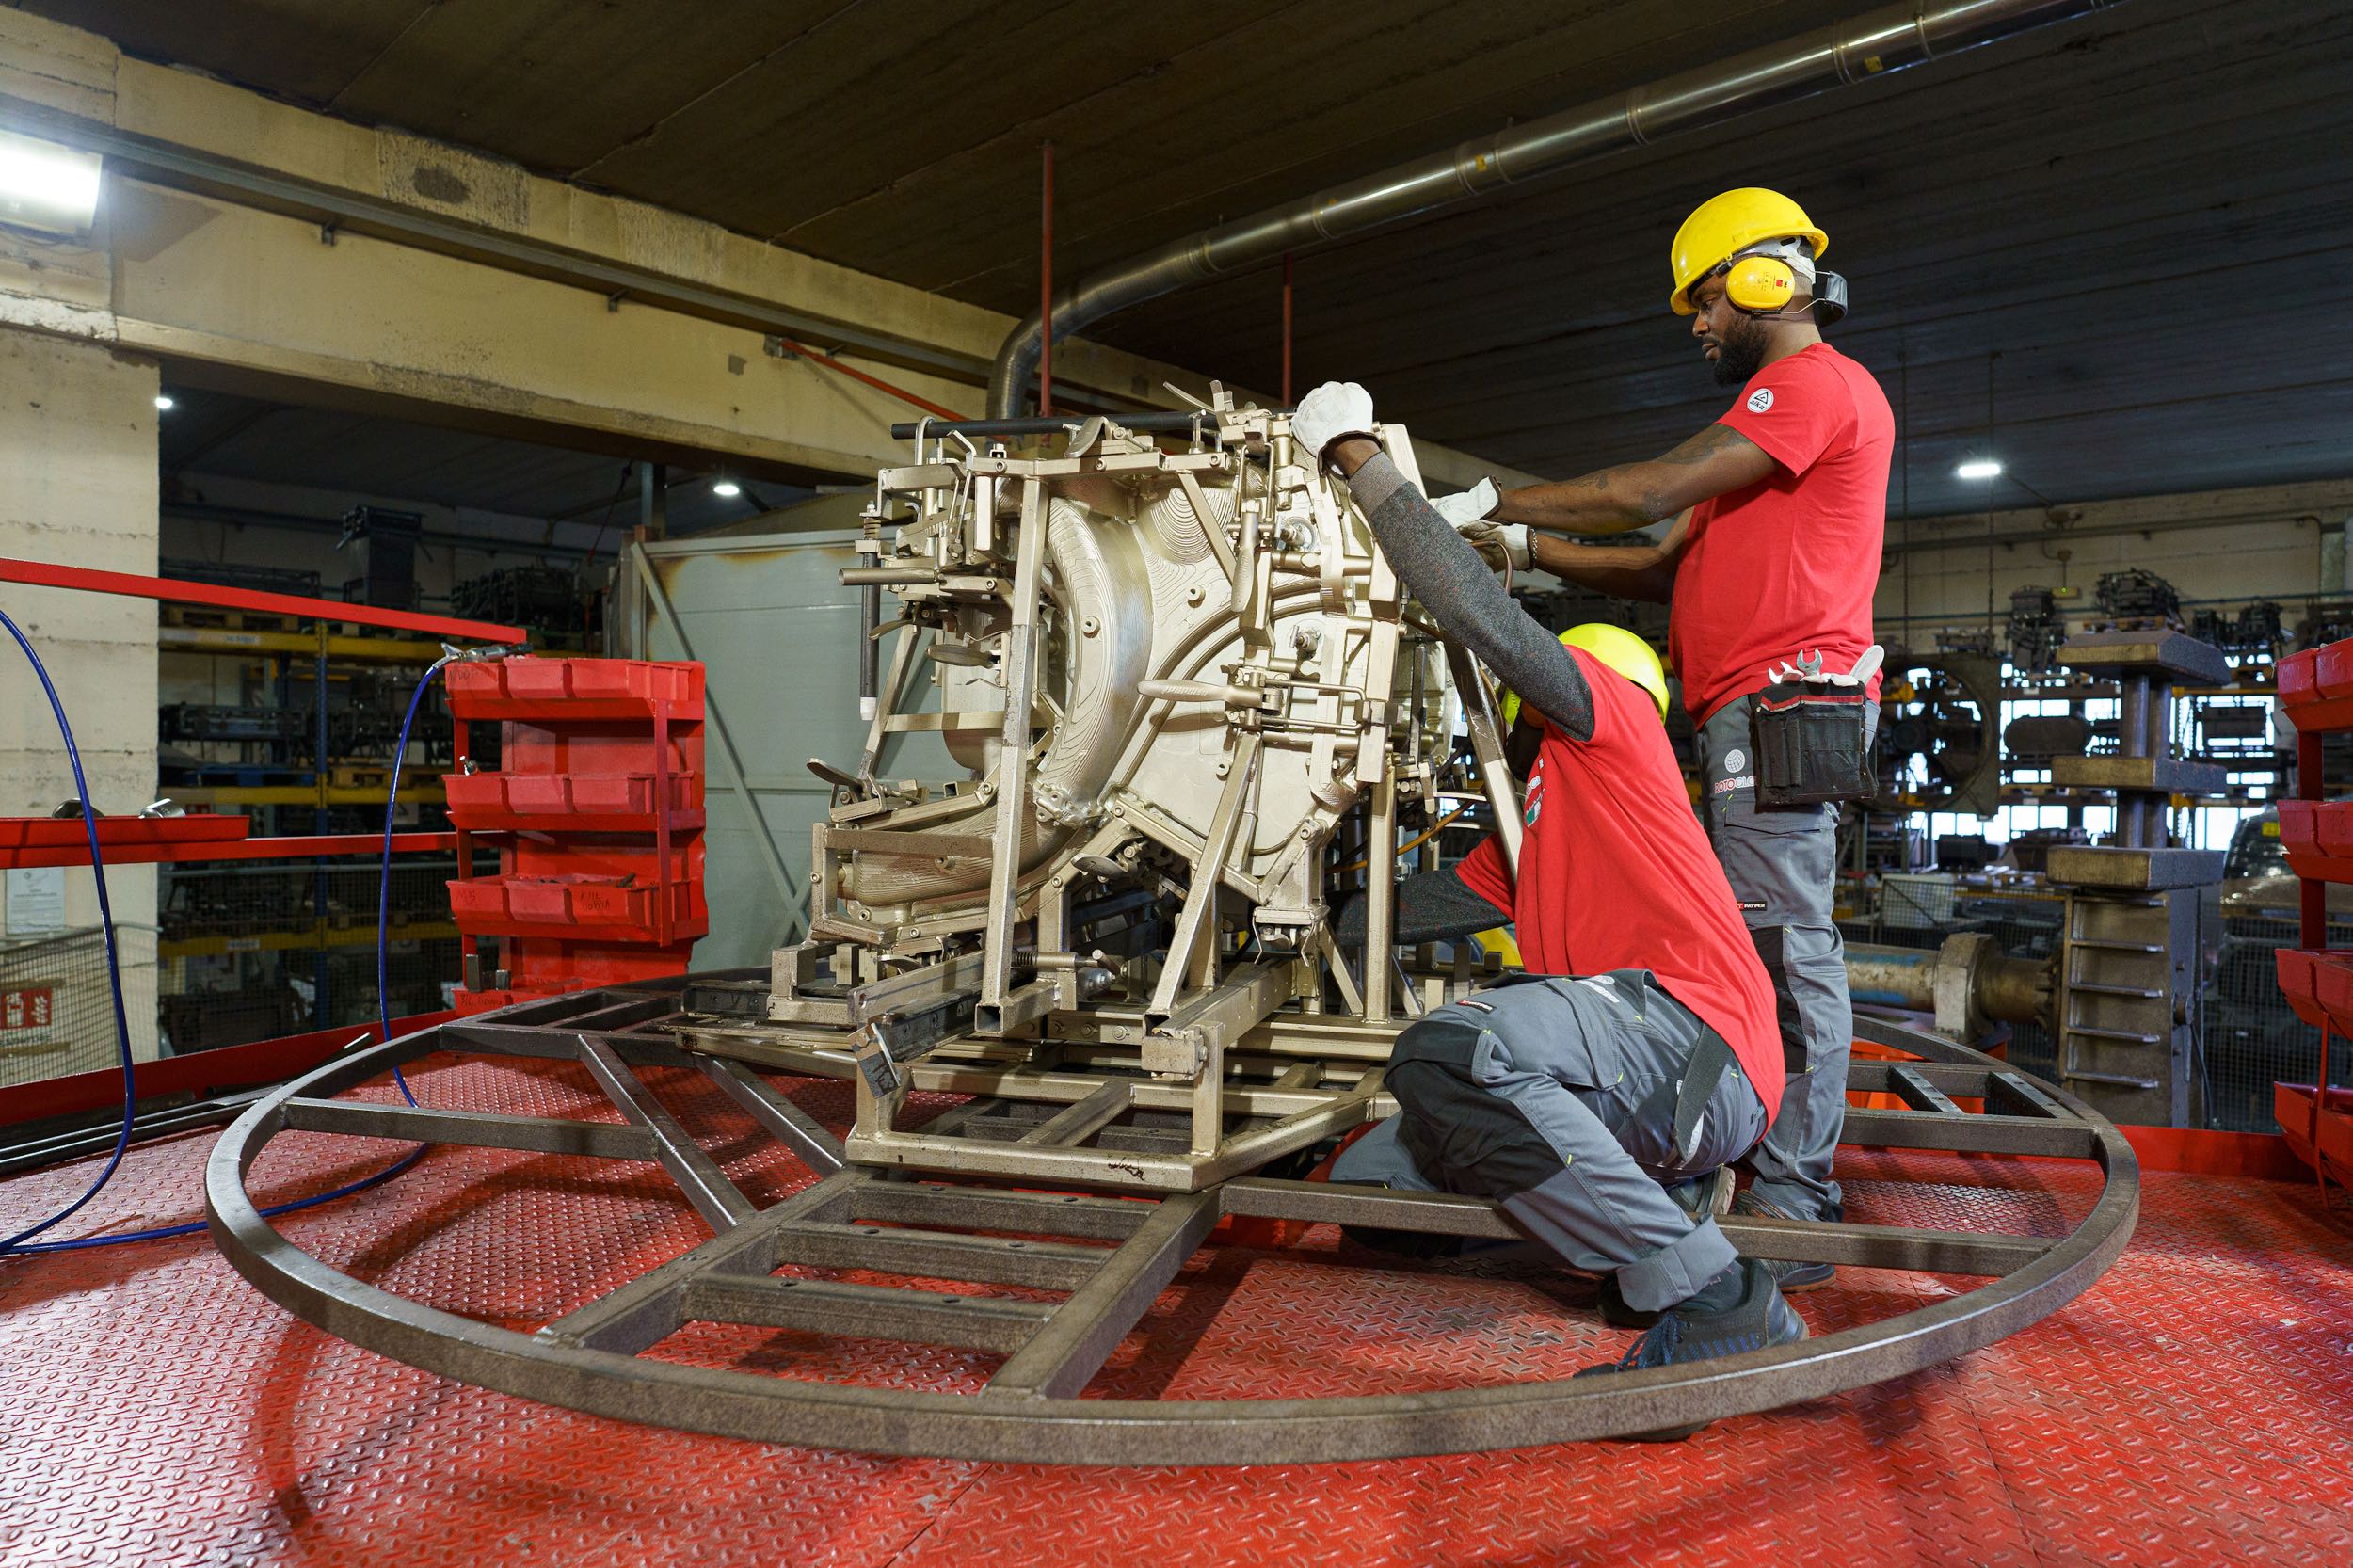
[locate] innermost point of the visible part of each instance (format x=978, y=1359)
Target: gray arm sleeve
x=1469, y=604
x=1432, y=907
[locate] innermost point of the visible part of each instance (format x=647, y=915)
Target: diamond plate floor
x=2194, y=1408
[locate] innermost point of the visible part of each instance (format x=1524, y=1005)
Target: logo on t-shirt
x=1760, y=400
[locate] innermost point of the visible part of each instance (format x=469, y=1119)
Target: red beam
x=201, y=1073
x=26, y=841
x=171, y=590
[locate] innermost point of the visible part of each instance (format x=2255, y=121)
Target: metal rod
x=868, y=1311
x=171, y=590
x=1154, y=423
x=479, y=1129
x=718, y=1200
x=1287, y=330
x=1045, y=282
x=1084, y=1330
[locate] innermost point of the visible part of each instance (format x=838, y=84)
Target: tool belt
x=1811, y=743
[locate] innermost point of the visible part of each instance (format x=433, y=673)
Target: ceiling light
x=725, y=487
x=164, y=404
x=1979, y=468
x=46, y=186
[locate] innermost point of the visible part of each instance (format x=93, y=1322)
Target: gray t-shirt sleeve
x=1466, y=601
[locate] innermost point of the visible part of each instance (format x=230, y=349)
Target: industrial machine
x=1090, y=992
x=1153, y=663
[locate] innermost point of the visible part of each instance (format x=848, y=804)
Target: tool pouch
x=1811, y=743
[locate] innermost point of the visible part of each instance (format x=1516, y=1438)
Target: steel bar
x=939, y=1254
x=473, y=1128
x=2013, y=1093
x=1930, y=1129
x=999, y=1208
x=787, y=1123
x=1918, y=1092
x=1082, y=1121
x=868, y=1312
x=1082, y=1332
x=1944, y=1252
x=649, y=1308
x=1007, y=835
x=1487, y=745
x=718, y=1200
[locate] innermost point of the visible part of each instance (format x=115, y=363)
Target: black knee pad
x=1465, y=1138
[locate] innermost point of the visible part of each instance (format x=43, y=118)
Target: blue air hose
x=20, y=1243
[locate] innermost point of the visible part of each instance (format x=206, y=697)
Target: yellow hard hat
x=1723, y=226
x=1614, y=646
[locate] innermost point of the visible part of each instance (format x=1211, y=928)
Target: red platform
x=2191, y=1408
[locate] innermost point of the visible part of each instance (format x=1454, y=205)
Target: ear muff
x=1761, y=284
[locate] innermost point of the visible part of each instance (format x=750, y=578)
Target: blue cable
x=20, y=1244
x=114, y=959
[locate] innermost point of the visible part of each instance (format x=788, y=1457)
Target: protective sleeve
x=1466, y=601
x=1432, y=907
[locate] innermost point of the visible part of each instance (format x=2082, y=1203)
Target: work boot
x=1757, y=1320
x=1791, y=1276
x=1700, y=1198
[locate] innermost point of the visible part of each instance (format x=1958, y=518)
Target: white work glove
x=1500, y=544
x=1476, y=505
x=1334, y=410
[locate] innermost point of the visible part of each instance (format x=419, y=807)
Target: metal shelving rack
x=2317, y=690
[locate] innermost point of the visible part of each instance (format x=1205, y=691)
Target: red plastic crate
x=593, y=803
x=2316, y=687
x=572, y=905
x=2329, y=1137
x=2319, y=986
x=2318, y=836
x=575, y=690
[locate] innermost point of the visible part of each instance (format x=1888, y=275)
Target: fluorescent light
x=727, y=487
x=164, y=404
x=46, y=186
x=1979, y=468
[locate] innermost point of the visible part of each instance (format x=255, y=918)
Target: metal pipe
x=1054, y=425
x=1888, y=40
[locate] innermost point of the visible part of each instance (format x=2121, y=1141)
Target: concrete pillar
x=78, y=486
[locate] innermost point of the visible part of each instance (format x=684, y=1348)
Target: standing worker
x=1640, y=1050
x=1779, y=511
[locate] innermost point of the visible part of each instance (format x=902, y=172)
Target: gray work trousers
x=1783, y=867
x=1560, y=1102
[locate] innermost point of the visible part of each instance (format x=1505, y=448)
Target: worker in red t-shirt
x=1640, y=1050
x=1778, y=511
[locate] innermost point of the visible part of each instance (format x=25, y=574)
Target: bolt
x=1089, y=626
x=1192, y=595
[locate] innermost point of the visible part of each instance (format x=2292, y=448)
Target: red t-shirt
x=1619, y=877
x=1787, y=566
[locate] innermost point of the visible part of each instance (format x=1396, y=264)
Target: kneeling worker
x=1643, y=1048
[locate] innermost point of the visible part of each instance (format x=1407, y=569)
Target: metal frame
x=589, y=1359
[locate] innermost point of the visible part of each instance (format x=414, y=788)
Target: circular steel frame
x=1010, y=1428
